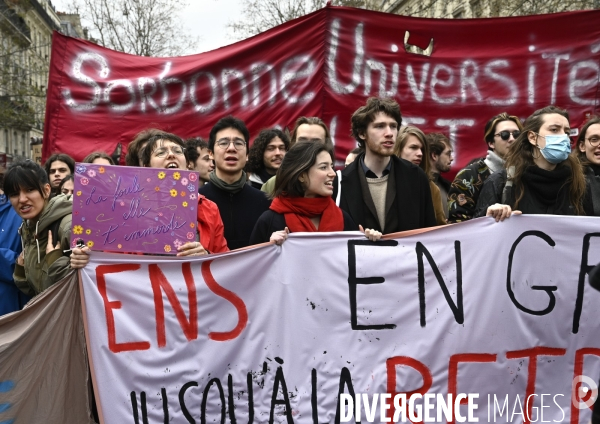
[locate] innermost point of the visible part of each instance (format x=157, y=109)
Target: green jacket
x=41, y=270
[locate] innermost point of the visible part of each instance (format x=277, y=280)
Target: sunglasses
x=505, y=135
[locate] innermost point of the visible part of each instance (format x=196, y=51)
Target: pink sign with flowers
x=131, y=209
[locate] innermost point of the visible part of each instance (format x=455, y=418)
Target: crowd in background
x=286, y=182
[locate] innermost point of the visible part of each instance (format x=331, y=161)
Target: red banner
x=326, y=64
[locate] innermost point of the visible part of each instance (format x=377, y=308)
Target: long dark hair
x=520, y=156
x=257, y=151
x=298, y=160
x=24, y=174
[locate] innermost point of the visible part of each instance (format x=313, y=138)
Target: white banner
x=274, y=334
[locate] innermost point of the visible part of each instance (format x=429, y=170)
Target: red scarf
x=298, y=211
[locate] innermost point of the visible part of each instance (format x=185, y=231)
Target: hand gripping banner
x=502, y=311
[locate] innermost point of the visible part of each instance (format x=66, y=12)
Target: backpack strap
x=508, y=186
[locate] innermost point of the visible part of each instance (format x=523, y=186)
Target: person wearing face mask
x=540, y=177
x=587, y=151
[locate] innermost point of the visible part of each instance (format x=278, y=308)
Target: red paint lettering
x=230, y=297
x=158, y=282
x=396, y=361
x=109, y=305
x=453, y=371
x=532, y=354
x=578, y=370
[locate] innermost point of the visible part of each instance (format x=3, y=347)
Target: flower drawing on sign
x=91, y=173
x=161, y=175
x=74, y=243
x=88, y=231
x=167, y=248
x=191, y=188
x=84, y=181
x=193, y=196
x=184, y=181
x=80, y=169
x=78, y=193
x=160, y=214
x=148, y=179
x=184, y=204
x=157, y=188
x=193, y=177
x=190, y=235
x=173, y=193
x=192, y=225
x=119, y=245
x=176, y=175
x=177, y=243
x=122, y=203
x=78, y=229
x=101, y=170
x=183, y=193
x=90, y=244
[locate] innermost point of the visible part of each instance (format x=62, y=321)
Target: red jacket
x=210, y=226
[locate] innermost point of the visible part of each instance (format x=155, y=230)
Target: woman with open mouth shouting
x=302, y=198
x=46, y=229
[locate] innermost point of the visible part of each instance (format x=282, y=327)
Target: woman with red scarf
x=302, y=198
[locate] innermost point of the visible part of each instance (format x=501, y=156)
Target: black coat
x=408, y=199
x=239, y=211
x=532, y=202
x=271, y=221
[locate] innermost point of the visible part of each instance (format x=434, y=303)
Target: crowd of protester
x=286, y=182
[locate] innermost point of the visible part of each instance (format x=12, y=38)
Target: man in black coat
x=240, y=205
x=379, y=190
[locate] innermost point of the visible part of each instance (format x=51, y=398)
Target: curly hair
x=256, y=153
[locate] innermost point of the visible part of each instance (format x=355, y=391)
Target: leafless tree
x=22, y=80
x=261, y=15
x=140, y=27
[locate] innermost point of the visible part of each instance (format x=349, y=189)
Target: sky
x=205, y=19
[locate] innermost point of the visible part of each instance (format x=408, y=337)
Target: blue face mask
x=558, y=148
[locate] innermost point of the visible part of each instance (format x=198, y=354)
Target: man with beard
x=440, y=152
x=240, y=205
x=265, y=156
x=379, y=190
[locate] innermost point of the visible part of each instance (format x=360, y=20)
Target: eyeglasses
x=224, y=143
x=164, y=151
x=594, y=141
x=505, y=135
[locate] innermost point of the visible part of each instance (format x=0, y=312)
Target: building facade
x=26, y=28
x=460, y=9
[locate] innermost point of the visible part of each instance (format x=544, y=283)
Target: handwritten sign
x=131, y=209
